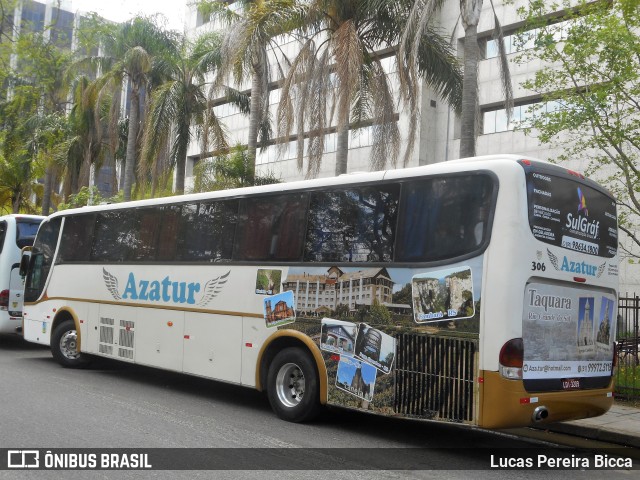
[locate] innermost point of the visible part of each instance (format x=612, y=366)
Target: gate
x=628, y=344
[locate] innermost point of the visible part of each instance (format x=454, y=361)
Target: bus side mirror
x=24, y=261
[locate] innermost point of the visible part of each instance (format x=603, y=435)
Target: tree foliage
x=593, y=76
x=233, y=170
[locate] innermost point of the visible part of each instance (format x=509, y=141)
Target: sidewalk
x=620, y=425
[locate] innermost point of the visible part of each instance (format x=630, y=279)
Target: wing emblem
x=111, y=283
x=213, y=287
x=553, y=259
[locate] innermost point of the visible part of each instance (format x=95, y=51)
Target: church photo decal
x=279, y=309
x=356, y=377
x=585, y=334
x=603, y=332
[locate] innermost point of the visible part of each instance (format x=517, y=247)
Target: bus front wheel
x=64, y=345
x=293, y=386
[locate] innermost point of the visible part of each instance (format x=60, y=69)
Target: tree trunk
x=181, y=163
x=85, y=169
x=132, y=135
x=342, y=148
x=16, y=199
x=470, y=13
x=468, y=120
x=254, y=122
x=47, y=190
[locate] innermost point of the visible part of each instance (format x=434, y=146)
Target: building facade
x=439, y=131
x=320, y=294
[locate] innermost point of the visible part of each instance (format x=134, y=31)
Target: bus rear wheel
x=292, y=386
x=64, y=345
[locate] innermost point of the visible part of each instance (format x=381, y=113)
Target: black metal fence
x=628, y=344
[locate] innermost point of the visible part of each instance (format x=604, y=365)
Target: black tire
x=64, y=346
x=292, y=385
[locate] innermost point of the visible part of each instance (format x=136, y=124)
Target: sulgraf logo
x=165, y=290
x=582, y=204
x=580, y=223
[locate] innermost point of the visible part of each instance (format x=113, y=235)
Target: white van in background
x=16, y=232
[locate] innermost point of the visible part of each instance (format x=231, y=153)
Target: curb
x=594, y=433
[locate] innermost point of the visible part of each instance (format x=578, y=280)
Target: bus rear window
x=568, y=213
x=26, y=232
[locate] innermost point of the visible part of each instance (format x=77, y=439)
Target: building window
x=521, y=41
x=495, y=120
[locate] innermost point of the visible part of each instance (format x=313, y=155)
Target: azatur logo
x=582, y=268
x=165, y=290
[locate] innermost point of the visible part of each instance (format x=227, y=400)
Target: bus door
x=16, y=292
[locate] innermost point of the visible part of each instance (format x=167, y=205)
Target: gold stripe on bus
x=161, y=307
x=323, y=378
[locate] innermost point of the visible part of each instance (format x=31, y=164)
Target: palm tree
x=181, y=103
x=470, y=11
x=346, y=40
x=253, y=26
x=133, y=53
x=85, y=146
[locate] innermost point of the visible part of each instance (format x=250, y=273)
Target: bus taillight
x=4, y=300
x=511, y=359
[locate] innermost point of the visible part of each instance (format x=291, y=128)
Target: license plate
x=570, y=383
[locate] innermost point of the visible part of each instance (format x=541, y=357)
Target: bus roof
x=450, y=166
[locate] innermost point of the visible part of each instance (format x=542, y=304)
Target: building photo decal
x=279, y=309
x=356, y=377
x=338, y=336
x=603, y=332
x=586, y=325
x=375, y=347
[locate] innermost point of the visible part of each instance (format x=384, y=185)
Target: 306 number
x=538, y=266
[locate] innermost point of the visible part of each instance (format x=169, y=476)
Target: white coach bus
x=16, y=232
x=480, y=291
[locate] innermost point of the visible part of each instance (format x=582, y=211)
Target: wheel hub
x=69, y=345
x=290, y=385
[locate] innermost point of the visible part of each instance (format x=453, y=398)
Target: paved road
x=115, y=405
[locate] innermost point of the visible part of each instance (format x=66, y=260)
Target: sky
x=121, y=10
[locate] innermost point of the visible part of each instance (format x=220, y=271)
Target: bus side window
x=144, y=248
x=270, y=228
x=354, y=225
x=206, y=231
x=168, y=235
x=443, y=218
x=77, y=232
x=116, y=236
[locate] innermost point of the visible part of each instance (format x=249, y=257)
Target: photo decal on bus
x=443, y=295
x=338, y=336
x=366, y=343
x=375, y=347
x=268, y=282
x=567, y=332
x=356, y=377
x=586, y=325
x=279, y=309
x=603, y=333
